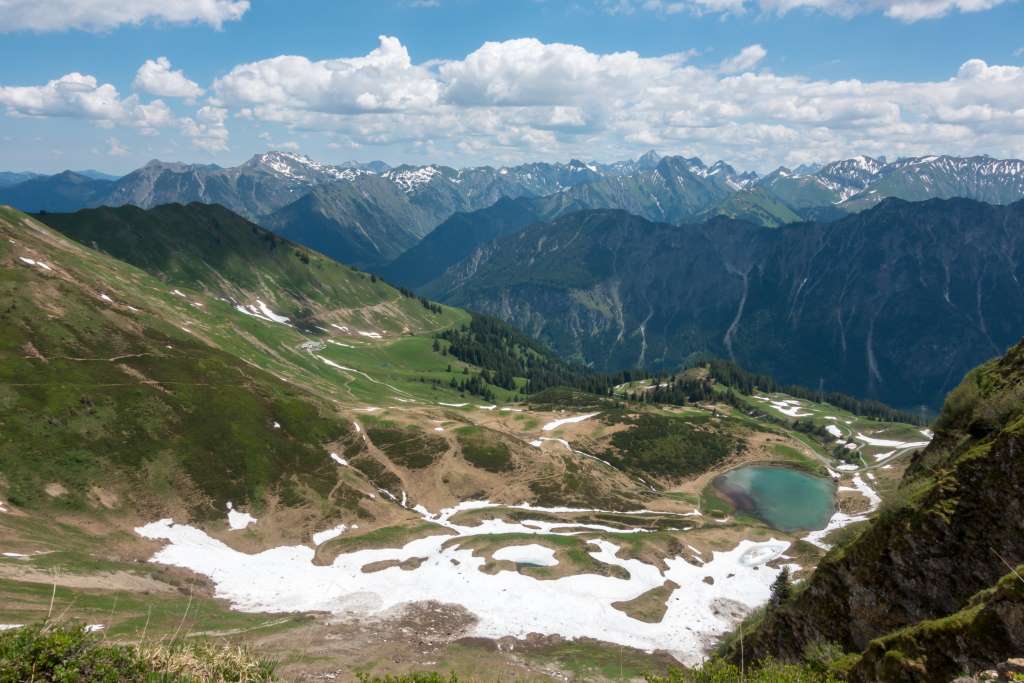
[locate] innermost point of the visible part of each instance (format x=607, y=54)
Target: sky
x=110, y=85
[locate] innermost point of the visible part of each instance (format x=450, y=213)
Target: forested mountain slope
x=894, y=303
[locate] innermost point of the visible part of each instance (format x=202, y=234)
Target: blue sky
x=756, y=82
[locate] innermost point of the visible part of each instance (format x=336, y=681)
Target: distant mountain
x=97, y=175
x=997, y=181
x=65, y=191
x=676, y=189
x=258, y=187
x=365, y=222
x=861, y=182
x=457, y=237
x=895, y=303
x=8, y=178
x=671, y=189
x=758, y=206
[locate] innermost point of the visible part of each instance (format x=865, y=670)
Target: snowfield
x=507, y=603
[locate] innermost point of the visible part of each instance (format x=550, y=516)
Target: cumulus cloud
x=207, y=129
x=747, y=59
x=156, y=77
x=76, y=95
x=525, y=99
x=115, y=148
x=104, y=15
x=384, y=80
x=903, y=10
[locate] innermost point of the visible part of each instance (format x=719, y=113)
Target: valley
x=210, y=444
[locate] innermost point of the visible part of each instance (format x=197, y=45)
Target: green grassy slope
x=209, y=248
x=92, y=387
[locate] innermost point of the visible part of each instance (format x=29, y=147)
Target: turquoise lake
x=786, y=499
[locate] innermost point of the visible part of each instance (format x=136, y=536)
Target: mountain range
x=289, y=413
x=894, y=303
x=369, y=214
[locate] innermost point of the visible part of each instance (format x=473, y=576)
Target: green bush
x=717, y=671
x=66, y=653
x=484, y=450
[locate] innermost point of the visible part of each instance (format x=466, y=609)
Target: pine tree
x=781, y=588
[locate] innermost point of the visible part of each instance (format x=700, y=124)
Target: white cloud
x=384, y=80
x=115, y=148
x=747, y=59
x=903, y=10
x=156, y=77
x=207, y=129
x=525, y=99
x=78, y=95
x=103, y=15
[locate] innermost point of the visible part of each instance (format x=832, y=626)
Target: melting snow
x=338, y=459
x=888, y=442
x=9, y=627
x=841, y=519
x=507, y=603
x=324, y=536
x=239, y=520
x=372, y=335
x=873, y=499
x=269, y=313
x=531, y=553
x=551, y=426
x=834, y=431
x=790, y=408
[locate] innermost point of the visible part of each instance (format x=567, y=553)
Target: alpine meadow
x=464, y=341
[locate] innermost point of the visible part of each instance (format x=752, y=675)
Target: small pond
x=786, y=499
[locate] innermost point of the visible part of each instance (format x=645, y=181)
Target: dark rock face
x=896, y=303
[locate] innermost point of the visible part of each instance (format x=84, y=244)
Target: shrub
x=66, y=653
x=717, y=671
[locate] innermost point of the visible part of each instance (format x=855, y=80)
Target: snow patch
x=891, y=443
x=508, y=603
x=551, y=426
x=321, y=537
x=239, y=520
x=531, y=553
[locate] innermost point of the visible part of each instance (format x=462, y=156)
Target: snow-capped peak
x=411, y=179
x=302, y=168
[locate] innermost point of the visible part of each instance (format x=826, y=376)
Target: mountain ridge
x=611, y=289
